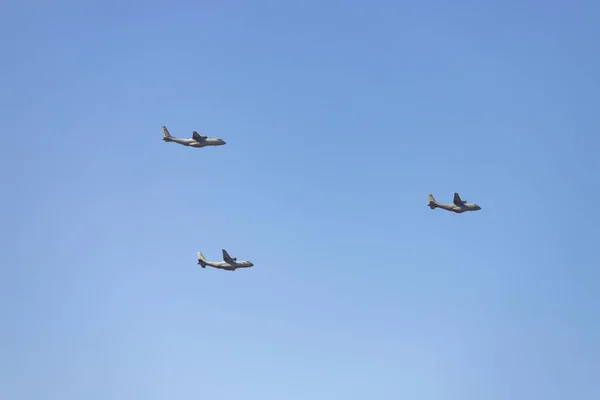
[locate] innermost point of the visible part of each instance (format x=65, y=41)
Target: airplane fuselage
x=454, y=208
x=225, y=265
x=194, y=143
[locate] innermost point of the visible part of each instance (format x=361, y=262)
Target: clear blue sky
x=339, y=118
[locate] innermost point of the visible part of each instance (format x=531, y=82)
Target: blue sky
x=339, y=118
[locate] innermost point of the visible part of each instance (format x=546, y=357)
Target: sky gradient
x=339, y=118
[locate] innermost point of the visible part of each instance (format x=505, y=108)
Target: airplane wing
x=227, y=258
x=196, y=136
x=457, y=200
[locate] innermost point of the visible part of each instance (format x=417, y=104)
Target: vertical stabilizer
x=431, y=201
x=201, y=260
x=166, y=134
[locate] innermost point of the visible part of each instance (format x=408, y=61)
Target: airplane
x=228, y=263
x=195, y=141
x=458, y=205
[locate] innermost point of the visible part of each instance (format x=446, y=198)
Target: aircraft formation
x=457, y=206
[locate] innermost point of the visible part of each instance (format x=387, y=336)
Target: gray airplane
x=195, y=141
x=228, y=263
x=458, y=205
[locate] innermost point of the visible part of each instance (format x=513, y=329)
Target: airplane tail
x=431, y=201
x=166, y=135
x=201, y=260
x=201, y=256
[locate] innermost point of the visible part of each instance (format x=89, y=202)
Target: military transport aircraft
x=458, y=205
x=195, y=141
x=229, y=264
